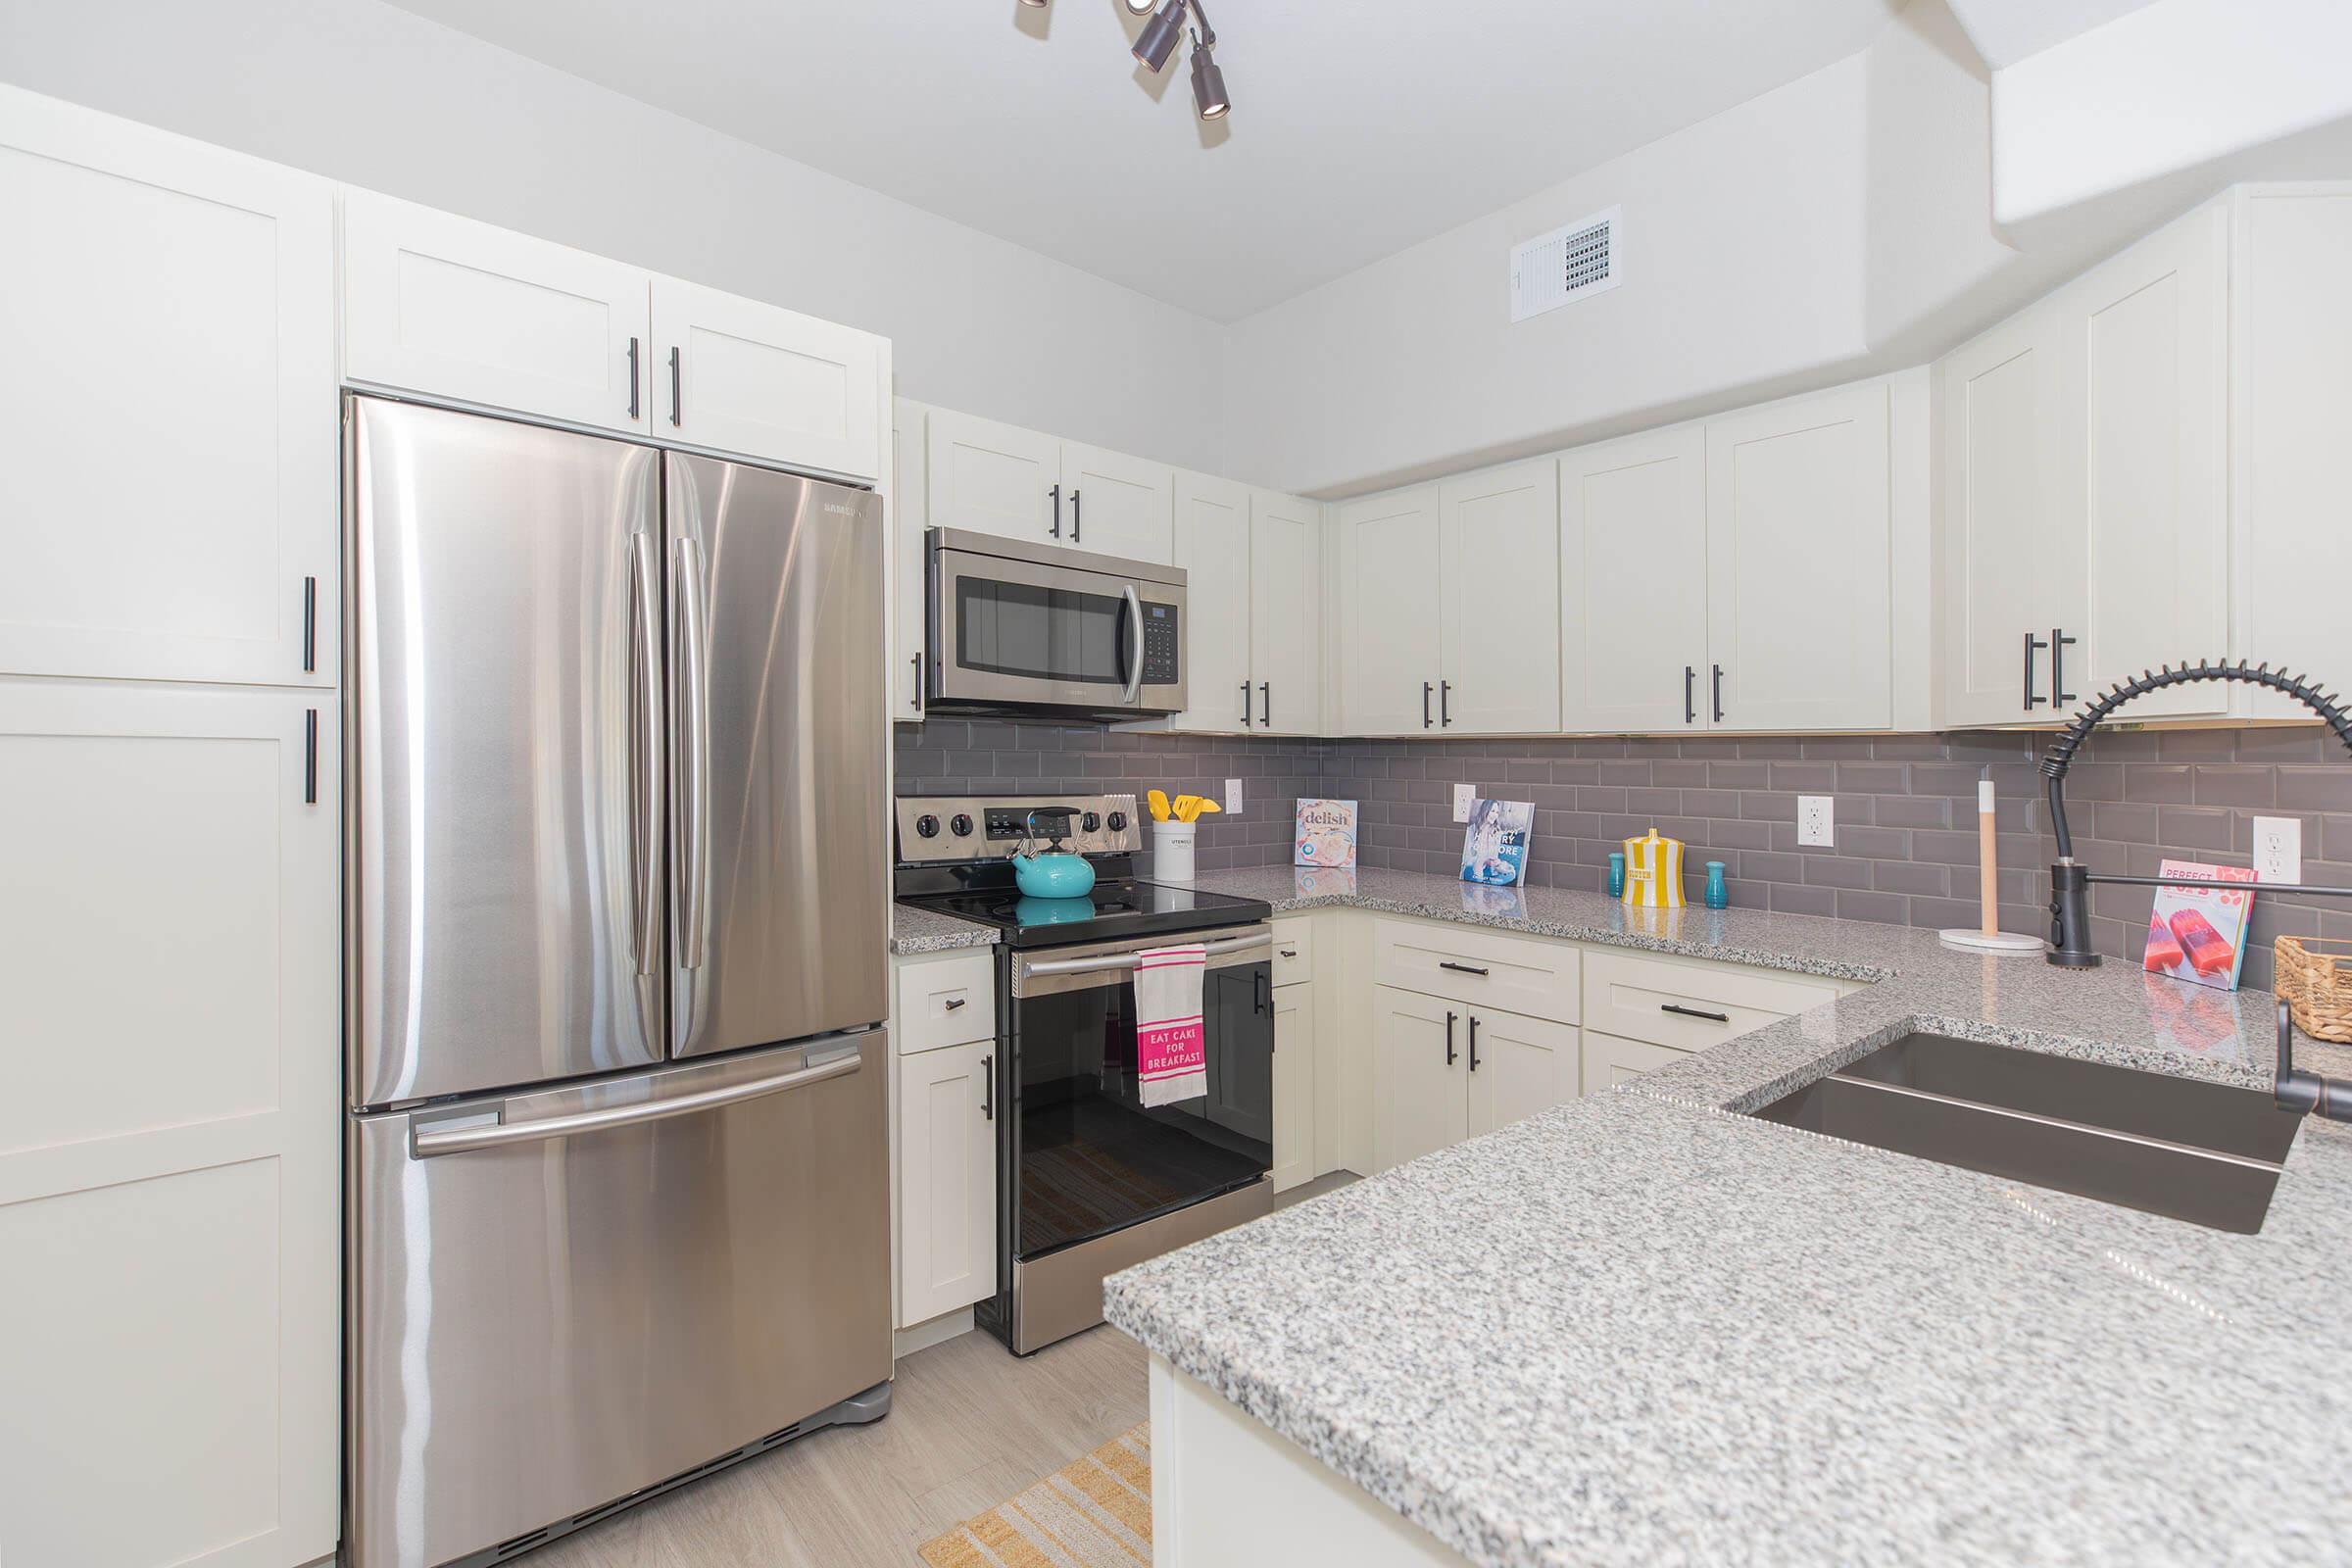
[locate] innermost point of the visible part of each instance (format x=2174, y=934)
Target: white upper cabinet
x=167, y=457
x=2148, y=332
x=909, y=635
x=1118, y=506
x=1634, y=583
x=1213, y=545
x=740, y=376
x=1500, y=536
x=1389, y=647
x=1286, y=598
x=1798, y=634
x=2292, y=326
x=442, y=304
x=994, y=479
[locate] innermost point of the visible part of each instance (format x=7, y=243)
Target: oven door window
x=1035, y=632
x=1093, y=1159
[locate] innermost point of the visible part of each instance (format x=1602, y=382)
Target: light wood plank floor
x=970, y=1425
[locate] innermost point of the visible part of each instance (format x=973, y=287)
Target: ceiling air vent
x=1567, y=264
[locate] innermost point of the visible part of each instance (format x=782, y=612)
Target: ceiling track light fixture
x=1156, y=43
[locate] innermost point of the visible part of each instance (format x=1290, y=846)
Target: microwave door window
x=1036, y=633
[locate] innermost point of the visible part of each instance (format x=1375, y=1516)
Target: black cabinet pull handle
x=677, y=400
x=632, y=378
x=1693, y=1012
x=1261, y=990
x=2032, y=643
x=1426, y=689
x=310, y=757
x=310, y=624
x=988, y=1087
x=1718, y=694
x=1461, y=968
x=1289, y=952
x=917, y=701
x=1449, y=1040
x=1265, y=702
x=1055, y=530
x=1689, y=694
x=1445, y=702
x=2060, y=642
x=954, y=1002
x=1077, y=519
x=1474, y=1042
x=1245, y=705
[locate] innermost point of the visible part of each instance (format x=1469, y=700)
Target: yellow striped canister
x=1653, y=872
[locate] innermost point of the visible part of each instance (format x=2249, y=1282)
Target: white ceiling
x=1357, y=127
x=2006, y=31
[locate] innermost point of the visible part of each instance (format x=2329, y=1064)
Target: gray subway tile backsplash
x=1907, y=820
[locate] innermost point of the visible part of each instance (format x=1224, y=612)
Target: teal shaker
x=1718, y=895
x=1617, y=875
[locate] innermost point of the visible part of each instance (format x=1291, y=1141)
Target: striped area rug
x=1095, y=1513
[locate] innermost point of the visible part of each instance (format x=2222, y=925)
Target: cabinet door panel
x=1388, y=614
x=2153, y=327
x=1501, y=536
x=994, y=479
x=2012, y=565
x=1418, y=1098
x=1213, y=545
x=1286, y=598
x=947, y=1181
x=1610, y=1062
x=169, y=1191
x=1293, y=1085
x=1523, y=1065
x=167, y=414
x=1118, y=506
x=764, y=382
x=442, y=304
x=1634, y=584
x=909, y=501
x=1798, y=550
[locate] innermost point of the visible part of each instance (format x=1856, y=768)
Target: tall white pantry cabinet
x=168, y=914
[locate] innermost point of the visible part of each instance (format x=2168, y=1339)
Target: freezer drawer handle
x=423, y=1145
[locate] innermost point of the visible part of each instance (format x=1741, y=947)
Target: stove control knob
x=1118, y=821
x=1091, y=821
x=963, y=824
x=927, y=825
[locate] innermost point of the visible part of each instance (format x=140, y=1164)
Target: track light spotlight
x=1208, y=82
x=1039, y=4
x=1161, y=34
x=1141, y=8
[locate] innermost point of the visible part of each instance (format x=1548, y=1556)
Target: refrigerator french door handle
x=694, y=727
x=645, y=744
x=1134, y=617
x=426, y=1143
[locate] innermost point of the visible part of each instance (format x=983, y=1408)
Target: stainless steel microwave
x=1019, y=629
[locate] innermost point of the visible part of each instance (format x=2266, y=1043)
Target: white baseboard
x=934, y=1331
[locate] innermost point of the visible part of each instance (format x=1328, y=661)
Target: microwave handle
x=1135, y=668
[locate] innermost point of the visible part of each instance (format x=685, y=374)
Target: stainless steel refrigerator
x=618, y=1200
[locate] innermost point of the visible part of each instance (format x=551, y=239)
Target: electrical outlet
x=2279, y=849
x=1233, y=797
x=1463, y=794
x=1816, y=821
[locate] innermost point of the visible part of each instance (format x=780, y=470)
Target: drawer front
x=1518, y=974
x=1690, y=1004
x=946, y=1002
x=1294, y=952
x=1610, y=1061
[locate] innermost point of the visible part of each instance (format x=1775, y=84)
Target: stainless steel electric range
x=1090, y=1179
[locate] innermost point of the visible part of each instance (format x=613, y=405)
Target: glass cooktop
x=1116, y=908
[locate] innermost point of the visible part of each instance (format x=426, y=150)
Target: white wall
x=367, y=94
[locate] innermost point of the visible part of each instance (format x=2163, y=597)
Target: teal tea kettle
x=1056, y=874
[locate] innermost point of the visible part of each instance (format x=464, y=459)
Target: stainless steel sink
x=2199, y=1152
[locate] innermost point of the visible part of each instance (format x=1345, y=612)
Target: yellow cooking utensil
x=1203, y=807
x=1183, y=805
x=1159, y=805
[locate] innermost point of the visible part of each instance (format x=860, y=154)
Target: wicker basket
x=2315, y=975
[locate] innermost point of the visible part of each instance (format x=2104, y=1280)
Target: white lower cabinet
x=1444, y=1071
x=1517, y=1066
x=1610, y=1061
x=169, y=1115
x=1293, y=1085
x=947, y=1162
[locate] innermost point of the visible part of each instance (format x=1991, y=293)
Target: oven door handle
x=1135, y=618
x=1122, y=963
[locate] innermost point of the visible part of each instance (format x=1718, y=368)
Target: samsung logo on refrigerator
x=840, y=510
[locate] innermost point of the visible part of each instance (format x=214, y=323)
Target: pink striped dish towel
x=1171, y=1060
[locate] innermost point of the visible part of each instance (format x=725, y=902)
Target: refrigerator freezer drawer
x=559, y=1298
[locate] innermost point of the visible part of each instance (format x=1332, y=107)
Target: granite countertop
x=913, y=930
x=1644, y=1328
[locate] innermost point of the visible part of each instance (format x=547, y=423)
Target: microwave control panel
x=1163, y=664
